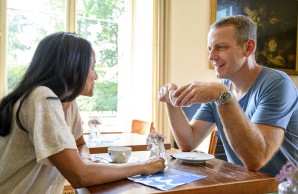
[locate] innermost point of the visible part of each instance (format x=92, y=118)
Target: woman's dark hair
x=61, y=62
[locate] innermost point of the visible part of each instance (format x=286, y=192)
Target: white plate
x=192, y=157
x=106, y=158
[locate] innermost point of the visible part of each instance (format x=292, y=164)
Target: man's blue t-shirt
x=272, y=100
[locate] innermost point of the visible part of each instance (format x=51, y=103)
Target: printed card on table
x=168, y=179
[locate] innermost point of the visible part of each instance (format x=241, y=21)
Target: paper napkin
x=168, y=179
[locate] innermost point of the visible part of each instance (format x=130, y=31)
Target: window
x=121, y=34
x=100, y=22
x=26, y=26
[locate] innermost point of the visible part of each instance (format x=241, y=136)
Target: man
x=254, y=108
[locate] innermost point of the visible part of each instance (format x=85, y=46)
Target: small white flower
x=289, y=172
x=154, y=137
x=94, y=122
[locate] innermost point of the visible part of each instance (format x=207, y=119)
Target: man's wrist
x=225, y=97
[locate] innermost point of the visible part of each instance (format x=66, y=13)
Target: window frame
x=156, y=70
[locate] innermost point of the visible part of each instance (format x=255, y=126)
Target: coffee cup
x=172, y=98
x=119, y=154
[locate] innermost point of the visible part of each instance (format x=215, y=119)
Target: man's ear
x=250, y=46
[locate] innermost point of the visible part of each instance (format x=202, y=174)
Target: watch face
x=224, y=98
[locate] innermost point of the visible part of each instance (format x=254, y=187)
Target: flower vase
x=288, y=187
x=158, y=149
x=95, y=135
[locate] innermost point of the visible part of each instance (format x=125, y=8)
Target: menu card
x=168, y=179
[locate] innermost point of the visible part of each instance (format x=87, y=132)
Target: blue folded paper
x=168, y=179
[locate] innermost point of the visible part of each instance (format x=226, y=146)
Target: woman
x=41, y=138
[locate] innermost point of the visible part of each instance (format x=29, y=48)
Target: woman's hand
x=153, y=165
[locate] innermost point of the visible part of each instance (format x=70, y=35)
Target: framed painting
x=277, y=29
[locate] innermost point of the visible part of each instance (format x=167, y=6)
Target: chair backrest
x=213, y=142
x=141, y=127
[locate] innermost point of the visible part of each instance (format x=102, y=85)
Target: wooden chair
x=68, y=189
x=141, y=127
x=213, y=142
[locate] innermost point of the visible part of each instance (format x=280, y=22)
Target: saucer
x=106, y=159
x=192, y=157
x=130, y=160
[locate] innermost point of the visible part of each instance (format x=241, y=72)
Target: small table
x=222, y=177
x=136, y=141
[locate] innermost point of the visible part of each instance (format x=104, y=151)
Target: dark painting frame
x=277, y=29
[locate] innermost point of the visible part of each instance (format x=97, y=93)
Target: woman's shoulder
x=43, y=91
x=41, y=99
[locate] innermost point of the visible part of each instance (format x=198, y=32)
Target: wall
x=135, y=79
x=3, y=78
x=190, y=21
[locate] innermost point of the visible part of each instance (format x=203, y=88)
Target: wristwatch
x=224, y=98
